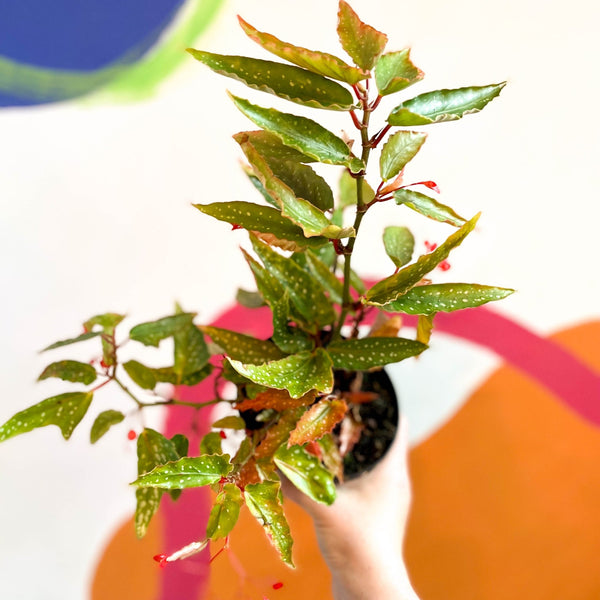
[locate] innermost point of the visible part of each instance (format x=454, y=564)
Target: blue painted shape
x=82, y=35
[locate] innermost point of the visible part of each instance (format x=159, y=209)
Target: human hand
x=362, y=533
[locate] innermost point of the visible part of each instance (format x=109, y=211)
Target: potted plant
x=300, y=395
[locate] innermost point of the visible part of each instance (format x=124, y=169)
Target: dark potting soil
x=379, y=420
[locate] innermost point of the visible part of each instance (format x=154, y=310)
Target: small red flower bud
x=235, y=226
x=161, y=559
x=337, y=246
x=278, y=585
x=103, y=364
x=444, y=265
x=432, y=185
x=223, y=435
x=131, y=435
x=430, y=246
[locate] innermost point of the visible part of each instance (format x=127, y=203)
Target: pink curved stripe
x=559, y=371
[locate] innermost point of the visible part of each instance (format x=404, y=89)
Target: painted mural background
x=109, y=133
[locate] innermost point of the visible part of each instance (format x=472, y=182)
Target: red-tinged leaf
x=317, y=62
x=286, y=81
x=317, y=421
x=331, y=457
x=278, y=434
x=359, y=397
x=263, y=501
x=395, y=71
x=278, y=400
x=363, y=43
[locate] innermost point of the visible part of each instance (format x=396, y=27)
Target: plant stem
x=361, y=209
x=126, y=390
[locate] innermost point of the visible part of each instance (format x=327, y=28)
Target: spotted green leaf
x=242, y=347
x=326, y=278
x=306, y=472
x=108, y=322
x=262, y=499
x=269, y=145
x=70, y=370
x=317, y=62
x=391, y=288
x=303, y=181
x=151, y=333
x=305, y=292
x=142, y=375
x=225, y=512
x=400, y=148
x=104, y=421
x=298, y=373
x=305, y=135
x=318, y=420
x=190, y=351
x=285, y=81
x=311, y=219
x=287, y=337
x=395, y=71
x=428, y=207
x=366, y=353
x=153, y=449
x=65, y=411
x=399, y=244
x=80, y=338
x=445, y=297
x=265, y=219
x=363, y=43
x=443, y=105
x=187, y=473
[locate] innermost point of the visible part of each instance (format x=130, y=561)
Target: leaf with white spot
x=317, y=62
x=363, y=43
x=391, y=288
x=264, y=219
x=286, y=81
x=398, y=151
x=443, y=105
x=288, y=337
x=262, y=499
x=428, y=207
x=152, y=449
x=317, y=421
x=65, y=411
x=332, y=285
x=269, y=145
x=300, y=211
x=151, y=333
x=190, y=352
x=366, y=353
x=399, y=244
x=395, y=71
x=70, y=370
x=187, y=473
x=298, y=373
x=305, y=135
x=305, y=292
x=225, y=512
x=303, y=181
x=306, y=472
x=243, y=347
x=446, y=297
x=104, y=421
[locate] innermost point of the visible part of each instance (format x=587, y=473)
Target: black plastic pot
x=379, y=418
